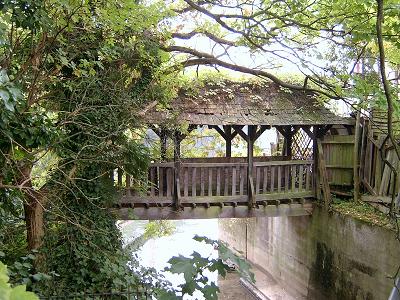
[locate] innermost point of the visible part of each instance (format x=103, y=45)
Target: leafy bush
x=13, y=293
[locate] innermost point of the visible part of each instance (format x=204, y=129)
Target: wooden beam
x=261, y=130
x=315, y=166
x=324, y=176
x=219, y=130
x=228, y=140
x=239, y=130
x=201, y=212
x=356, y=158
x=251, y=137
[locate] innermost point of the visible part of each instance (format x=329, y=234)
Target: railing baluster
x=294, y=178
x=152, y=181
x=241, y=178
x=265, y=181
x=301, y=172
x=233, y=181
x=287, y=178
x=308, y=175
x=218, y=181
x=194, y=171
x=202, y=178
x=161, y=181
x=272, y=179
x=226, y=181
x=169, y=181
x=258, y=180
x=279, y=179
x=186, y=182
x=210, y=185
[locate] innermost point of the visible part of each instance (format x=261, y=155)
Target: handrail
x=283, y=163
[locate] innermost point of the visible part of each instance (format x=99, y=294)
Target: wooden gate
x=338, y=155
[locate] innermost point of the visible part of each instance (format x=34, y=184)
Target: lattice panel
x=301, y=145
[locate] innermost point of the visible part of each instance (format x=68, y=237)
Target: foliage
x=364, y=212
x=194, y=270
x=13, y=293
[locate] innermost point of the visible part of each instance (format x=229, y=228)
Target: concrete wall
x=323, y=256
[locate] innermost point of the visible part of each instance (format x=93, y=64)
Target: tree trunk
x=33, y=208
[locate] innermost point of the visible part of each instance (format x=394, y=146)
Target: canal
x=323, y=256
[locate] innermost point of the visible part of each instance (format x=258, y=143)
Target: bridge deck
x=218, y=188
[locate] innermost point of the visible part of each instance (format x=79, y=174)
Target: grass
x=364, y=212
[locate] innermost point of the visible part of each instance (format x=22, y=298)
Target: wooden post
x=315, y=166
x=288, y=139
x=356, y=158
x=177, y=186
x=177, y=146
x=228, y=140
x=251, y=136
x=324, y=176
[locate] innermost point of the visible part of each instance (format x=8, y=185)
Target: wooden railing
x=199, y=183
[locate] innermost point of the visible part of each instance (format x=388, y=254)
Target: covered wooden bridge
x=282, y=184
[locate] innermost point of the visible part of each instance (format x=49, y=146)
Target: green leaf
x=183, y=265
x=4, y=77
x=3, y=273
x=20, y=293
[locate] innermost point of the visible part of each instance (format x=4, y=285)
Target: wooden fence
x=376, y=176
x=221, y=182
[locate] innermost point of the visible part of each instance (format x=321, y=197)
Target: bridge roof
x=244, y=103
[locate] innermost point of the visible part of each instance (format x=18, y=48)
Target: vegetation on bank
x=75, y=77
x=364, y=212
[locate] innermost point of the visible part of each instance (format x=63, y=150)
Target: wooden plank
x=282, y=196
x=265, y=181
x=258, y=180
x=234, y=181
x=175, y=182
x=279, y=178
x=386, y=176
x=293, y=177
x=339, y=166
x=163, y=164
x=308, y=176
x=210, y=181
x=272, y=187
x=145, y=200
x=218, y=191
x=241, y=184
x=186, y=182
x=194, y=171
x=376, y=199
x=214, y=199
x=378, y=171
x=161, y=178
x=200, y=212
x=301, y=173
x=323, y=175
x=211, y=165
x=287, y=178
x=226, y=181
x=368, y=187
x=152, y=182
x=283, y=163
x=169, y=180
x=202, y=179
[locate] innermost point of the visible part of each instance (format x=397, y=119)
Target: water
x=157, y=251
